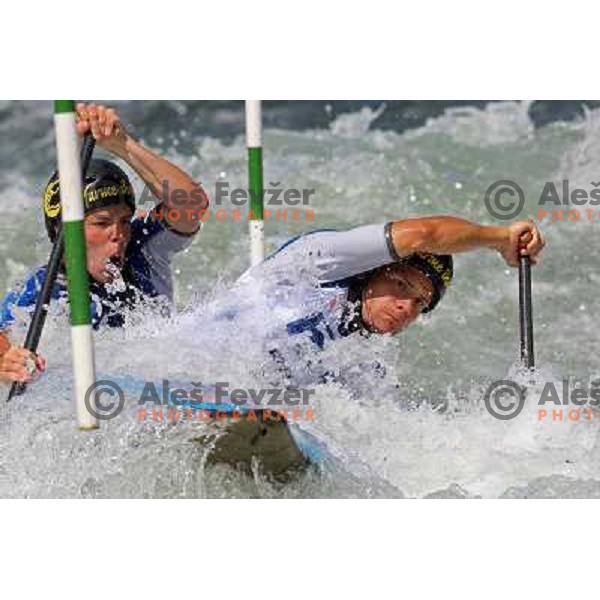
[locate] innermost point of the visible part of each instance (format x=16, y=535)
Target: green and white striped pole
x=255, y=174
x=71, y=194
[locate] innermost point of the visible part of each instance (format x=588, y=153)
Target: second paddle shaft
x=526, y=313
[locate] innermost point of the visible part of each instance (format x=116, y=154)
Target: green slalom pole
x=71, y=193
x=255, y=175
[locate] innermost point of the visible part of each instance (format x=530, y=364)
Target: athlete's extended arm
x=185, y=196
x=449, y=235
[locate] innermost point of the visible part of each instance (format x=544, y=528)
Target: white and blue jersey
x=147, y=273
x=308, y=293
x=327, y=265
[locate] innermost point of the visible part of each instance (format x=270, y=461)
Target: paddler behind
x=128, y=259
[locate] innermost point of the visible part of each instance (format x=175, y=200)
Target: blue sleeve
x=24, y=298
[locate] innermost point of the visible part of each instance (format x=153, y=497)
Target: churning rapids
x=428, y=436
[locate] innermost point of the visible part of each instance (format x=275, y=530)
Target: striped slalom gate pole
x=71, y=193
x=255, y=175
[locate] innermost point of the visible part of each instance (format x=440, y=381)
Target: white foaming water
x=387, y=440
x=499, y=123
x=355, y=125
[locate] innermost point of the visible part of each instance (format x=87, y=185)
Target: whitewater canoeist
x=128, y=259
x=375, y=279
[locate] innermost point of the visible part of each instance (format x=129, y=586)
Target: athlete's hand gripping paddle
x=41, y=308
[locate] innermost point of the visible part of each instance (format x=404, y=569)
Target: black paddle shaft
x=525, y=312
x=41, y=308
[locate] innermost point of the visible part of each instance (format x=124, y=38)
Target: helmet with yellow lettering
x=438, y=268
x=105, y=184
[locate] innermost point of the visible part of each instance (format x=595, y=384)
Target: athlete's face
x=394, y=297
x=107, y=234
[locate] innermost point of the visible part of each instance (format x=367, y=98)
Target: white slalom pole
x=69, y=169
x=255, y=177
